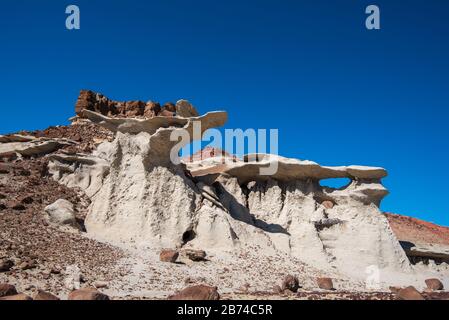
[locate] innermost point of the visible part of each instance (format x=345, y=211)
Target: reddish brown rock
x=134, y=109
x=168, y=255
x=152, y=109
x=4, y=168
x=18, y=297
x=410, y=293
x=6, y=265
x=325, y=283
x=290, y=283
x=7, y=290
x=169, y=107
x=87, y=294
x=328, y=204
x=195, y=255
x=200, y=292
x=434, y=284
x=45, y=296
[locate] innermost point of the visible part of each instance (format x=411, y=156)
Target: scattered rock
x=87, y=294
x=195, y=255
x=6, y=265
x=290, y=283
x=410, y=293
x=325, y=283
x=43, y=295
x=18, y=297
x=61, y=213
x=434, y=284
x=200, y=292
x=168, y=255
x=7, y=290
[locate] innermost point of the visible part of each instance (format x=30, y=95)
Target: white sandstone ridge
x=139, y=196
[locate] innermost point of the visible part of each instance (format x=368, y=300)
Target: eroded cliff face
x=140, y=197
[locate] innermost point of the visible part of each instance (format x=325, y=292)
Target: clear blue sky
x=338, y=93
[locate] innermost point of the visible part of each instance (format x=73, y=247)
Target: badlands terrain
x=99, y=206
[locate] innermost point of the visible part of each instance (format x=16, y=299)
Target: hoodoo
x=140, y=197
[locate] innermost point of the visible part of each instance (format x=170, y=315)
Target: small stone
x=195, y=255
x=168, y=255
x=410, y=293
x=45, y=296
x=328, y=204
x=434, y=284
x=27, y=265
x=7, y=290
x=6, y=265
x=290, y=283
x=200, y=292
x=26, y=200
x=325, y=283
x=4, y=168
x=87, y=294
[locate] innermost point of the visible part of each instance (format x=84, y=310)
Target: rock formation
x=140, y=196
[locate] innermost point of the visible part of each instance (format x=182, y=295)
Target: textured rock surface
x=61, y=213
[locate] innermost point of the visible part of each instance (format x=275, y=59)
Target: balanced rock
x=87, y=294
x=325, y=283
x=290, y=283
x=410, y=293
x=7, y=290
x=434, y=284
x=199, y=292
x=168, y=255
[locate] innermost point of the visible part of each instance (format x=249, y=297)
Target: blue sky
x=338, y=93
